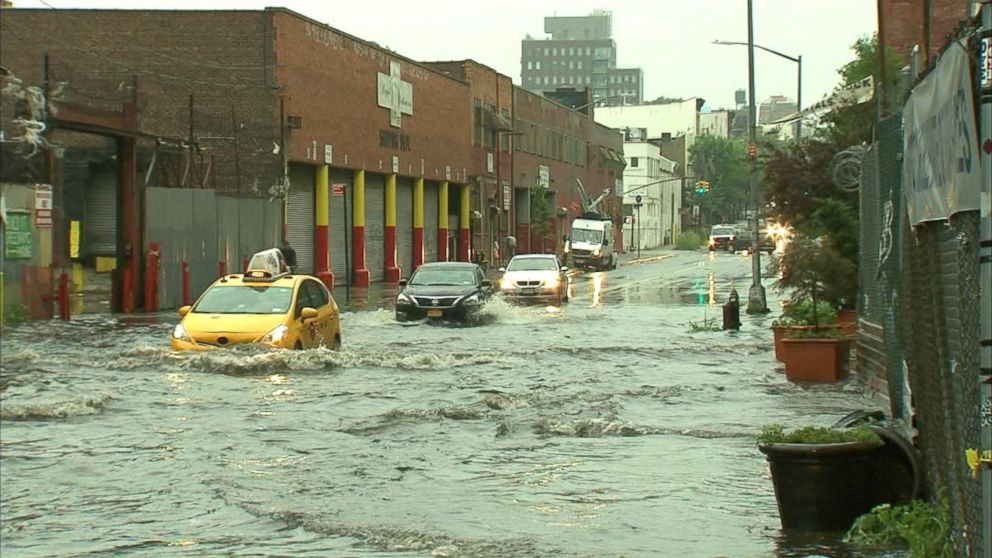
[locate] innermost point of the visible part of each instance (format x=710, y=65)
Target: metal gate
x=100, y=213
x=300, y=218
x=340, y=227
x=404, y=225
x=430, y=221
x=375, y=217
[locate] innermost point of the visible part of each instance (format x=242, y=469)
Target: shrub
x=689, y=240
x=776, y=434
x=802, y=311
x=920, y=526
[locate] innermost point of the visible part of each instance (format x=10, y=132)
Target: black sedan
x=443, y=290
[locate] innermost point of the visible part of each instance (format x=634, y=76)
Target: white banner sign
x=940, y=170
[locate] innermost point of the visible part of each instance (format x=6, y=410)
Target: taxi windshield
x=722, y=231
x=245, y=299
x=532, y=264
x=589, y=236
x=441, y=276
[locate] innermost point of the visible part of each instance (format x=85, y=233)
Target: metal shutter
x=100, y=213
x=404, y=225
x=375, y=217
x=340, y=227
x=430, y=221
x=300, y=224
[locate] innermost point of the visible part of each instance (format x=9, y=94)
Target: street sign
x=506, y=197
x=337, y=189
x=637, y=199
x=43, y=206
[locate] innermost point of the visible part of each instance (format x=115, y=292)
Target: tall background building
x=580, y=53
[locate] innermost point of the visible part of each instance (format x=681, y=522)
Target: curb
x=647, y=260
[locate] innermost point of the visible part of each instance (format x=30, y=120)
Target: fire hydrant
x=732, y=312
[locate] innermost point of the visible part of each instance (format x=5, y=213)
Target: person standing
x=510, y=246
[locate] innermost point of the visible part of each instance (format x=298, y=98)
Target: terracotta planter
x=815, y=359
x=781, y=332
x=821, y=487
x=847, y=319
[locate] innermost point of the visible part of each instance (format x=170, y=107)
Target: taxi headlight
x=180, y=333
x=277, y=334
x=472, y=300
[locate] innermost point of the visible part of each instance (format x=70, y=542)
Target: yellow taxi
x=267, y=304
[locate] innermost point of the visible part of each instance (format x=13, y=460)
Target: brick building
x=377, y=162
x=905, y=23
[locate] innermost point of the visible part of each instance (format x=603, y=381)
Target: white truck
x=590, y=243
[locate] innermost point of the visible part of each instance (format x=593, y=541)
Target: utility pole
x=756, y=296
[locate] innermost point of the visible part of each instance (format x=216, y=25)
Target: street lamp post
x=799, y=81
x=756, y=303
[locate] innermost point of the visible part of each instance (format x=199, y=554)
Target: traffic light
x=702, y=186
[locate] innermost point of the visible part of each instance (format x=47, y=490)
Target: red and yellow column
x=360, y=271
x=323, y=201
x=464, y=223
x=418, y=223
x=392, y=270
x=442, y=222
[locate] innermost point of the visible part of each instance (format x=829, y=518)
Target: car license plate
x=528, y=291
x=434, y=313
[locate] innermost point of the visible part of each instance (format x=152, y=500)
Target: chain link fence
x=919, y=321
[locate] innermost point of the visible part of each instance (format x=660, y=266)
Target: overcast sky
x=671, y=40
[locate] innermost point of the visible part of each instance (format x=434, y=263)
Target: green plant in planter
x=817, y=333
x=803, y=311
x=920, y=526
x=812, y=268
x=776, y=434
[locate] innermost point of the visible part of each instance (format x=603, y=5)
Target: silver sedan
x=535, y=277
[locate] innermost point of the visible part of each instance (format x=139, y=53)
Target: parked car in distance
x=742, y=242
x=722, y=237
x=536, y=278
x=266, y=305
x=448, y=290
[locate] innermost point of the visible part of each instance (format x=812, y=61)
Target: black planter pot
x=821, y=487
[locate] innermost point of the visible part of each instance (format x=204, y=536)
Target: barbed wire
x=846, y=170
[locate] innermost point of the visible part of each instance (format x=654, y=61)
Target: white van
x=590, y=244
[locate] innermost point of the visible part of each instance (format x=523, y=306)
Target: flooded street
x=608, y=428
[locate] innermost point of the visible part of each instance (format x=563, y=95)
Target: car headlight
x=277, y=334
x=473, y=300
x=180, y=333
x=551, y=283
x=506, y=284
x=403, y=299
x=598, y=252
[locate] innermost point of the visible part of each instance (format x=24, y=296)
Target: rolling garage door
x=375, y=217
x=100, y=213
x=430, y=221
x=404, y=225
x=340, y=227
x=300, y=220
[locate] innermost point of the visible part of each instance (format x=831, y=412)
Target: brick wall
x=903, y=21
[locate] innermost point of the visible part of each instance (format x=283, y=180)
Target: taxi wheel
x=298, y=346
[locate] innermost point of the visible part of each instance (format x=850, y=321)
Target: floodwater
x=606, y=428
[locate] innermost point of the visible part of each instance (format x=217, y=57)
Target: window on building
x=504, y=138
x=490, y=131
x=479, y=123
x=545, y=80
x=554, y=51
x=537, y=65
x=571, y=65
x=588, y=79
x=633, y=162
x=579, y=64
x=530, y=65
x=547, y=51
x=588, y=51
x=634, y=79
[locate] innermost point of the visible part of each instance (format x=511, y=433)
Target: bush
x=776, y=434
x=920, y=526
x=689, y=240
x=803, y=312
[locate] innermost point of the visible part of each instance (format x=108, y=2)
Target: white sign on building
x=543, y=176
x=395, y=94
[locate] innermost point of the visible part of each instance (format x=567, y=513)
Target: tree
x=723, y=163
x=541, y=213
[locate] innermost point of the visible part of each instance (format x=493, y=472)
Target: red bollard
x=221, y=268
x=244, y=264
x=186, y=301
x=151, y=276
x=64, y=296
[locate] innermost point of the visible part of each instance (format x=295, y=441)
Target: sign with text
x=337, y=189
x=506, y=197
x=940, y=170
x=43, y=206
x=17, y=235
x=543, y=176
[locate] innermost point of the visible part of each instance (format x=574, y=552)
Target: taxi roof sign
x=267, y=265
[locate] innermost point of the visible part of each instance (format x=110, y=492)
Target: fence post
x=186, y=301
x=64, y=296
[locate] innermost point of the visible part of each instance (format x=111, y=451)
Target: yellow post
x=361, y=273
x=442, y=222
x=392, y=270
x=418, y=223
x=464, y=223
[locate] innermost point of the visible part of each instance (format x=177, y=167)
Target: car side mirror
x=402, y=283
x=564, y=268
x=308, y=313
x=183, y=310
x=487, y=283
x=502, y=270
